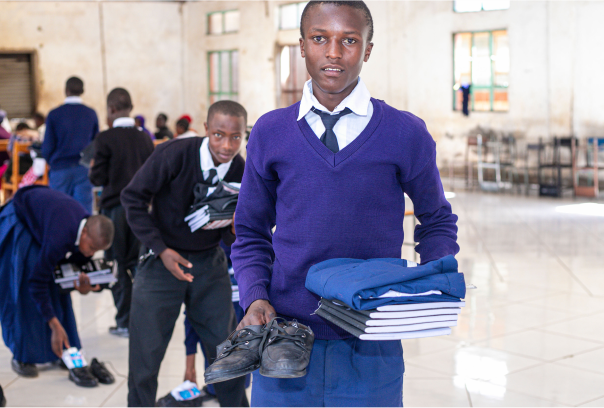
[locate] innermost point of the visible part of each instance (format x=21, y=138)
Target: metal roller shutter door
x=16, y=87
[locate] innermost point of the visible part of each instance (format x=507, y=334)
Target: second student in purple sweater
x=331, y=172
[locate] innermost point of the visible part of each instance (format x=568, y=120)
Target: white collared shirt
x=73, y=100
x=349, y=126
x=188, y=133
x=123, y=122
x=207, y=162
x=82, y=225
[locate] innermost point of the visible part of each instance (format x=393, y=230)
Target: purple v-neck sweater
x=345, y=205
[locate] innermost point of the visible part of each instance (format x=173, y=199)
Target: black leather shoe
x=2, y=398
x=205, y=394
x=170, y=401
x=100, y=372
x=83, y=377
x=238, y=355
x=24, y=369
x=287, y=349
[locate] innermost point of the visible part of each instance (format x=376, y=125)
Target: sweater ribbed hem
x=254, y=293
x=323, y=330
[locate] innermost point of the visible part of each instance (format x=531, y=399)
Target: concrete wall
x=158, y=51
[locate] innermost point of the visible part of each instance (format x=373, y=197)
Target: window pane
x=300, y=10
x=235, y=71
x=231, y=21
x=214, y=72
x=501, y=58
x=500, y=100
x=463, y=58
x=215, y=23
x=482, y=99
x=495, y=5
x=225, y=71
x=289, y=16
x=481, y=60
x=464, y=6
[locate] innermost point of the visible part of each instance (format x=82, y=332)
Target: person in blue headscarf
x=139, y=121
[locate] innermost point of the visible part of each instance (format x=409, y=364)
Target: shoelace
x=284, y=335
x=242, y=339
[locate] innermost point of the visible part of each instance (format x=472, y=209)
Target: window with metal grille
x=223, y=22
x=17, y=85
x=467, y=6
x=290, y=14
x=482, y=60
x=292, y=75
x=223, y=70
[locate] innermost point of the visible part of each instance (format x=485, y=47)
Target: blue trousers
x=348, y=373
x=74, y=182
x=25, y=332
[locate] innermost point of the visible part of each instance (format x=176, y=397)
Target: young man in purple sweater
x=331, y=172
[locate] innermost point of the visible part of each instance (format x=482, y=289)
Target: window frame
x=492, y=87
x=297, y=3
x=220, y=92
x=33, y=75
x=222, y=13
x=481, y=8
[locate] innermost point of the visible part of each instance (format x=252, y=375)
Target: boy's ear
x=368, y=52
x=302, y=47
x=205, y=125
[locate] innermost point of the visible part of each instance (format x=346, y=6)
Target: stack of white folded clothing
x=234, y=286
x=393, y=322
x=100, y=272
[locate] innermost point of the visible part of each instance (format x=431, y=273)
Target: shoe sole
x=83, y=385
x=282, y=373
x=212, y=379
x=24, y=375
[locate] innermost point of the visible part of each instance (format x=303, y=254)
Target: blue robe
x=24, y=330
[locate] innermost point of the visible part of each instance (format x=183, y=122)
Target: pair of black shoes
x=91, y=375
x=280, y=349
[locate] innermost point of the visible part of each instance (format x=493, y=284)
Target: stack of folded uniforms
x=100, y=272
x=214, y=206
x=234, y=285
x=389, y=299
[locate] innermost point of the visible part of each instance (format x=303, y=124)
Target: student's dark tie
x=328, y=138
x=211, y=176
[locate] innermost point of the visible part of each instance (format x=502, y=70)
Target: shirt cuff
x=253, y=294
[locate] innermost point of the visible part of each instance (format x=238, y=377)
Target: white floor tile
x=419, y=392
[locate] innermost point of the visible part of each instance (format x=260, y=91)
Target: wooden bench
x=10, y=187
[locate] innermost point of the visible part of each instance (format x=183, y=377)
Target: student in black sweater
x=167, y=181
x=118, y=154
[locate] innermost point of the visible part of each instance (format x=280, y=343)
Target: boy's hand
x=171, y=259
x=233, y=225
x=58, y=338
x=82, y=285
x=259, y=312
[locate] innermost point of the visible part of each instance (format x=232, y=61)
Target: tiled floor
x=532, y=334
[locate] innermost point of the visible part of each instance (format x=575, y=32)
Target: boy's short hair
x=75, y=86
x=119, y=99
x=230, y=108
x=22, y=126
x=40, y=116
x=163, y=116
x=355, y=4
x=183, y=123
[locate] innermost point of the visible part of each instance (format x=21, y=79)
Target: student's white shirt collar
x=73, y=100
x=82, y=224
x=207, y=163
x=188, y=133
x=358, y=100
x=124, y=122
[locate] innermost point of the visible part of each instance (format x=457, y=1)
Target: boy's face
x=224, y=133
x=335, y=47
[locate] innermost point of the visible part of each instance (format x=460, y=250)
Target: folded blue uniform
x=360, y=283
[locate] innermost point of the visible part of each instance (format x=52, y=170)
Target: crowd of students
x=331, y=171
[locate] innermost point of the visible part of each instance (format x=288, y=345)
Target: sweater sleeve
x=137, y=196
x=99, y=173
x=252, y=253
x=50, y=138
x=437, y=232
x=42, y=275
